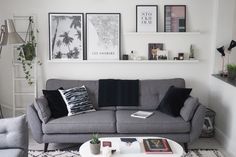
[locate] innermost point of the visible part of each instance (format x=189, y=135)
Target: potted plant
x=95, y=144
x=231, y=71
x=27, y=52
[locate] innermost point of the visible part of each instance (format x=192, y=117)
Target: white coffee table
x=176, y=148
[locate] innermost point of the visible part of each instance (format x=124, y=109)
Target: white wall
x=199, y=19
x=222, y=101
x=222, y=95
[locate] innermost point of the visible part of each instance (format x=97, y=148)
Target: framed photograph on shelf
x=153, y=49
x=175, y=18
x=146, y=18
x=103, y=36
x=66, y=36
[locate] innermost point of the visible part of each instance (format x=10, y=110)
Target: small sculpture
x=191, y=54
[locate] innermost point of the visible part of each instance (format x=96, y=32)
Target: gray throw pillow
x=77, y=100
x=44, y=112
x=187, y=111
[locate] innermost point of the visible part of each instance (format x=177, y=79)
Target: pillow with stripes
x=77, y=100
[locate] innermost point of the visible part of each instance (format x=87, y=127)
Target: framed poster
x=103, y=36
x=175, y=18
x=153, y=50
x=66, y=36
x=146, y=18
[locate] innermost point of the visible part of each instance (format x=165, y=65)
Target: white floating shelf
x=126, y=61
x=162, y=33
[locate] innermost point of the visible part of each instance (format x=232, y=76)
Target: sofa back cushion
x=91, y=86
x=151, y=91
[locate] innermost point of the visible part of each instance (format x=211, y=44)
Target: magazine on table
x=129, y=145
x=141, y=114
x=157, y=146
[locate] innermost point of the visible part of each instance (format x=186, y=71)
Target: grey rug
x=58, y=153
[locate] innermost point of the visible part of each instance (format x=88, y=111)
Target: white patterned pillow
x=77, y=100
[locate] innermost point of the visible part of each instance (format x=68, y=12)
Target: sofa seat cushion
x=11, y=153
x=157, y=123
x=102, y=121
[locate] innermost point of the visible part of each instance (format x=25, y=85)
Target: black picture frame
x=153, y=50
x=168, y=27
x=138, y=25
x=74, y=54
x=102, y=55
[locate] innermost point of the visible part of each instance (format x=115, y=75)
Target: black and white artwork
x=66, y=36
x=146, y=18
x=103, y=36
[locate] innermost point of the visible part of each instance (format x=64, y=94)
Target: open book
x=142, y=114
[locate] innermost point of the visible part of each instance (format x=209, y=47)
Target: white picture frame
x=103, y=36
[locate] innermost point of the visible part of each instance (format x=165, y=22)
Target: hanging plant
x=27, y=52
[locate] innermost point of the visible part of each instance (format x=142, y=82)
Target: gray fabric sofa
x=115, y=121
x=14, y=137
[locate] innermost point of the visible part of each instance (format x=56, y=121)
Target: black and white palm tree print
x=66, y=36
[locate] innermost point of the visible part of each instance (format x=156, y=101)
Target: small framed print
x=175, y=18
x=66, y=36
x=146, y=18
x=106, y=144
x=153, y=50
x=103, y=36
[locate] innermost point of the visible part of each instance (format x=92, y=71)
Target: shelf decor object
x=175, y=18
x=146, y=18
x=66, y=36
x=9, y=35
x=221, y=50
x=153, y=49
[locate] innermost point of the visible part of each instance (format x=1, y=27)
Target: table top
x=116, y=144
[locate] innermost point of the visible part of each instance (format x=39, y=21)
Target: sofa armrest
x=189, y=108
x=42, y=108
x=197, y=122
x=35, y=123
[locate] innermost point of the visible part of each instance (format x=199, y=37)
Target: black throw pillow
x=56, y=103
x=174, y=100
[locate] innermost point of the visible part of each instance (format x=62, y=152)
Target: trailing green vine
x=27, y=52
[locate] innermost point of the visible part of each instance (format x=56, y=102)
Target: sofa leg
x=186, y=147
x=45, y=147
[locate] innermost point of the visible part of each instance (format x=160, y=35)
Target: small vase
x=95, y=148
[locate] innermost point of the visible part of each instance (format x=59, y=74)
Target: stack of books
x=157, y=146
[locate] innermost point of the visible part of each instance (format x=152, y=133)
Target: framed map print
x=103, y=36
x=66, y=36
